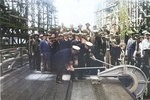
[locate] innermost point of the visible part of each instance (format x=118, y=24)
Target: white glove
x=142, y=56
x=126, y=52
x=134, y=54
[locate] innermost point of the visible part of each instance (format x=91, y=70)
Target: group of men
x=65, y=49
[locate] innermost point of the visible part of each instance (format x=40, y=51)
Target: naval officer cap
x=111, y=34
x=61, y=35
x=65, y=34
x=89, y=44
x=76, y=47
x=69, y=33
x=31, y=35
x=147, y=33
x=95, y=31
x=41, y=35
x=141, y=36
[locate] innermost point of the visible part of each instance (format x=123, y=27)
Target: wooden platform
x=27, y=84
x=82, y=90
x=106, y=90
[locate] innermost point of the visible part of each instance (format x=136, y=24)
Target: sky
x=76, y=11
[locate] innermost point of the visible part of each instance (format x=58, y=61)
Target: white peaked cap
x=95, y=30
x=113, y=40
x=76, y=47
x=111, y=33
x=41, y=35
x=145, y=31
x=89, y=44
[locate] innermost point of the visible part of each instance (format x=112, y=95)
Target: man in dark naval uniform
x=65, y=43
x=45, y=50
x=83, y=59
x=63, y=59
x=79, y=29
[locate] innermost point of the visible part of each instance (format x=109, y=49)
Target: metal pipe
x=103, y=62
x=93, y=57
x=90, y=68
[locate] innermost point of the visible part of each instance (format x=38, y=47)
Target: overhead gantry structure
x=19, y=18
x=137, y=11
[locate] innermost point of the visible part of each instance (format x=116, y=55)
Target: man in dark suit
x=36, y=51
x=63, y=59
x=79, y=29
x=29, y=48
x=76, y=40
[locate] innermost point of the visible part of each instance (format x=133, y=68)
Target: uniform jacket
x=64, y=44
x=75, y=42
x=62, y=58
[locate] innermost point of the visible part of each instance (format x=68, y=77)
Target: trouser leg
x=30, y=61
x=34, y=61
x=107, y=57
x=129, y=59
x=43, y=64
x=59, y=75
x=149, y=61
x=73, y=75
x=38, y=62
x=138, y=62
x=80, y=74
x=129, y=56
x=112, y=61
x=48, y=66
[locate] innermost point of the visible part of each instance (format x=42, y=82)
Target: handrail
x=20, y=56
x=12, y=59
x=11, y=49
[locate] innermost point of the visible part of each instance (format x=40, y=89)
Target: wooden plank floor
x=111, y=89
x=107, y=90
x=27, y=84
x=82, y=90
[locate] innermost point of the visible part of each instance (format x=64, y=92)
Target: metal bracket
x=139, y=79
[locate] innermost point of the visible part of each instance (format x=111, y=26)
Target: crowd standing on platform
x=63, y=49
